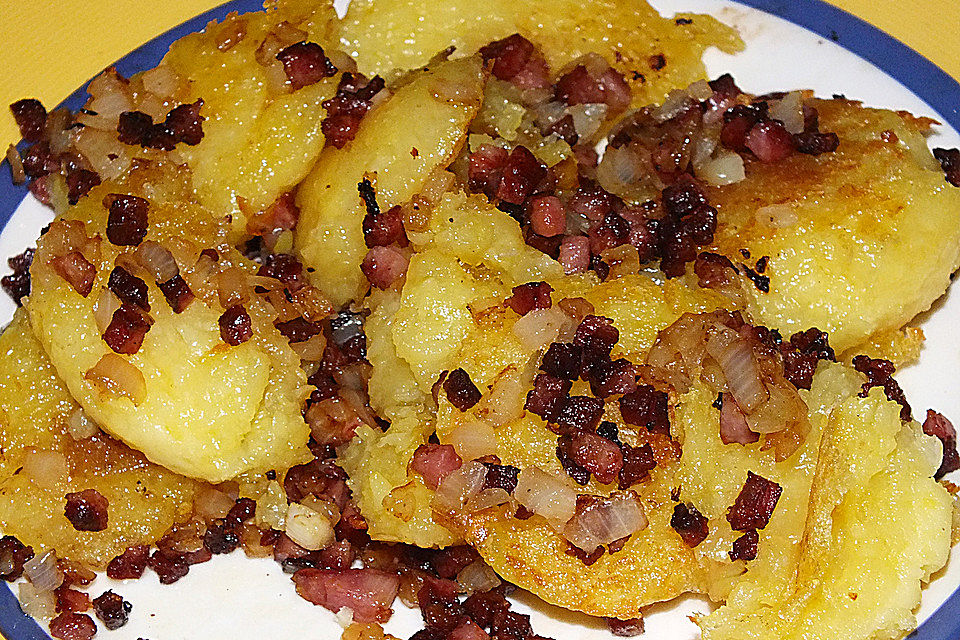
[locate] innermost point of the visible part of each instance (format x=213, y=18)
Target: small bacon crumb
x=235, y=325
x=755, y=503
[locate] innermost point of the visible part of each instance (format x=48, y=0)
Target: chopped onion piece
x=474, y=439
x=35, y=602
x=272, y=507
x=789, y=111
x=545, y=494
x=726, y=168
x=157, y=260
x=478, y=576
x=115, y=376
x=42, y=572
x=46, y=468
x=587, y=118
x=457, y=487
x=606, y=520
x=540, y=327
x=80, y=426
x=777, y=216
x=309, y=529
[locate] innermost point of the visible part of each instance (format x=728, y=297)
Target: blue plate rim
x=926, y=80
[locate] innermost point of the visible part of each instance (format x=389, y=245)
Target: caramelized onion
x=545, y=494
x=458, y=487
x=115, y=376
x=474, y=439
x=605, y=520
x=157, y=260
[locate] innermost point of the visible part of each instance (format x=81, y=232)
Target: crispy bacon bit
x=235, y=325
x=562, y=360
x=574, y=254
x=801, y=355
x=220, y=539
x=547, y=396
x=646, y=407
x=690, y=222
x=485, y=170
x=755, y=503
x=501, y=476
x=112, y=610
x=690, y=524
x=814, y=143
x=597, y=455
x=168, y=568
x=609, y=378
x=133, y=127
x=580, y=475
x=76, y=270
x=126, y=330
x=87, y=510
x=579, y=413
x=450, y=561
x=625, y=628
x=17, y=284
x=950, y=162
x=714, y=271
x=73, y=626
x=185, y=123
x=346, y=109
x=879, y=373
x=128, y=288
x=39, y=161
x=596, y=336
x=578, y=86
x=434, y=461
x=733, y=424
x=177, y=293
x=13, y=555
x=770, y=141
x=547, y=215
x=79, y=183
x=745, y=547
x=71, y=600
x=382, y=228
x=486, y=606
x=285, y=268
x=382, y=266
x=637, y=464
x=460, y=390
x=936, y=424
x=522, y=172
x=298, y=329
x=31, y=118
x=586, y=558
x=509, y=55
x=305, y=64
x=439, y=606
x=530, y=296
x=129, y=564
x=369, y=593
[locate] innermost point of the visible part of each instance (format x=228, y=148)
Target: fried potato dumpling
x=856, y=242
x=413, y=336
x=654, y=565
x=859, y=525
x=653, y=53
x=260, y=137
x=418, y=131
x=185, y=398
x=41, y=462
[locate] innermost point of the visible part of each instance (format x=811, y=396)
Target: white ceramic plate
x=831, y=53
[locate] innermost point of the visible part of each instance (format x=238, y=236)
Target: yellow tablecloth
x=49, y=47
